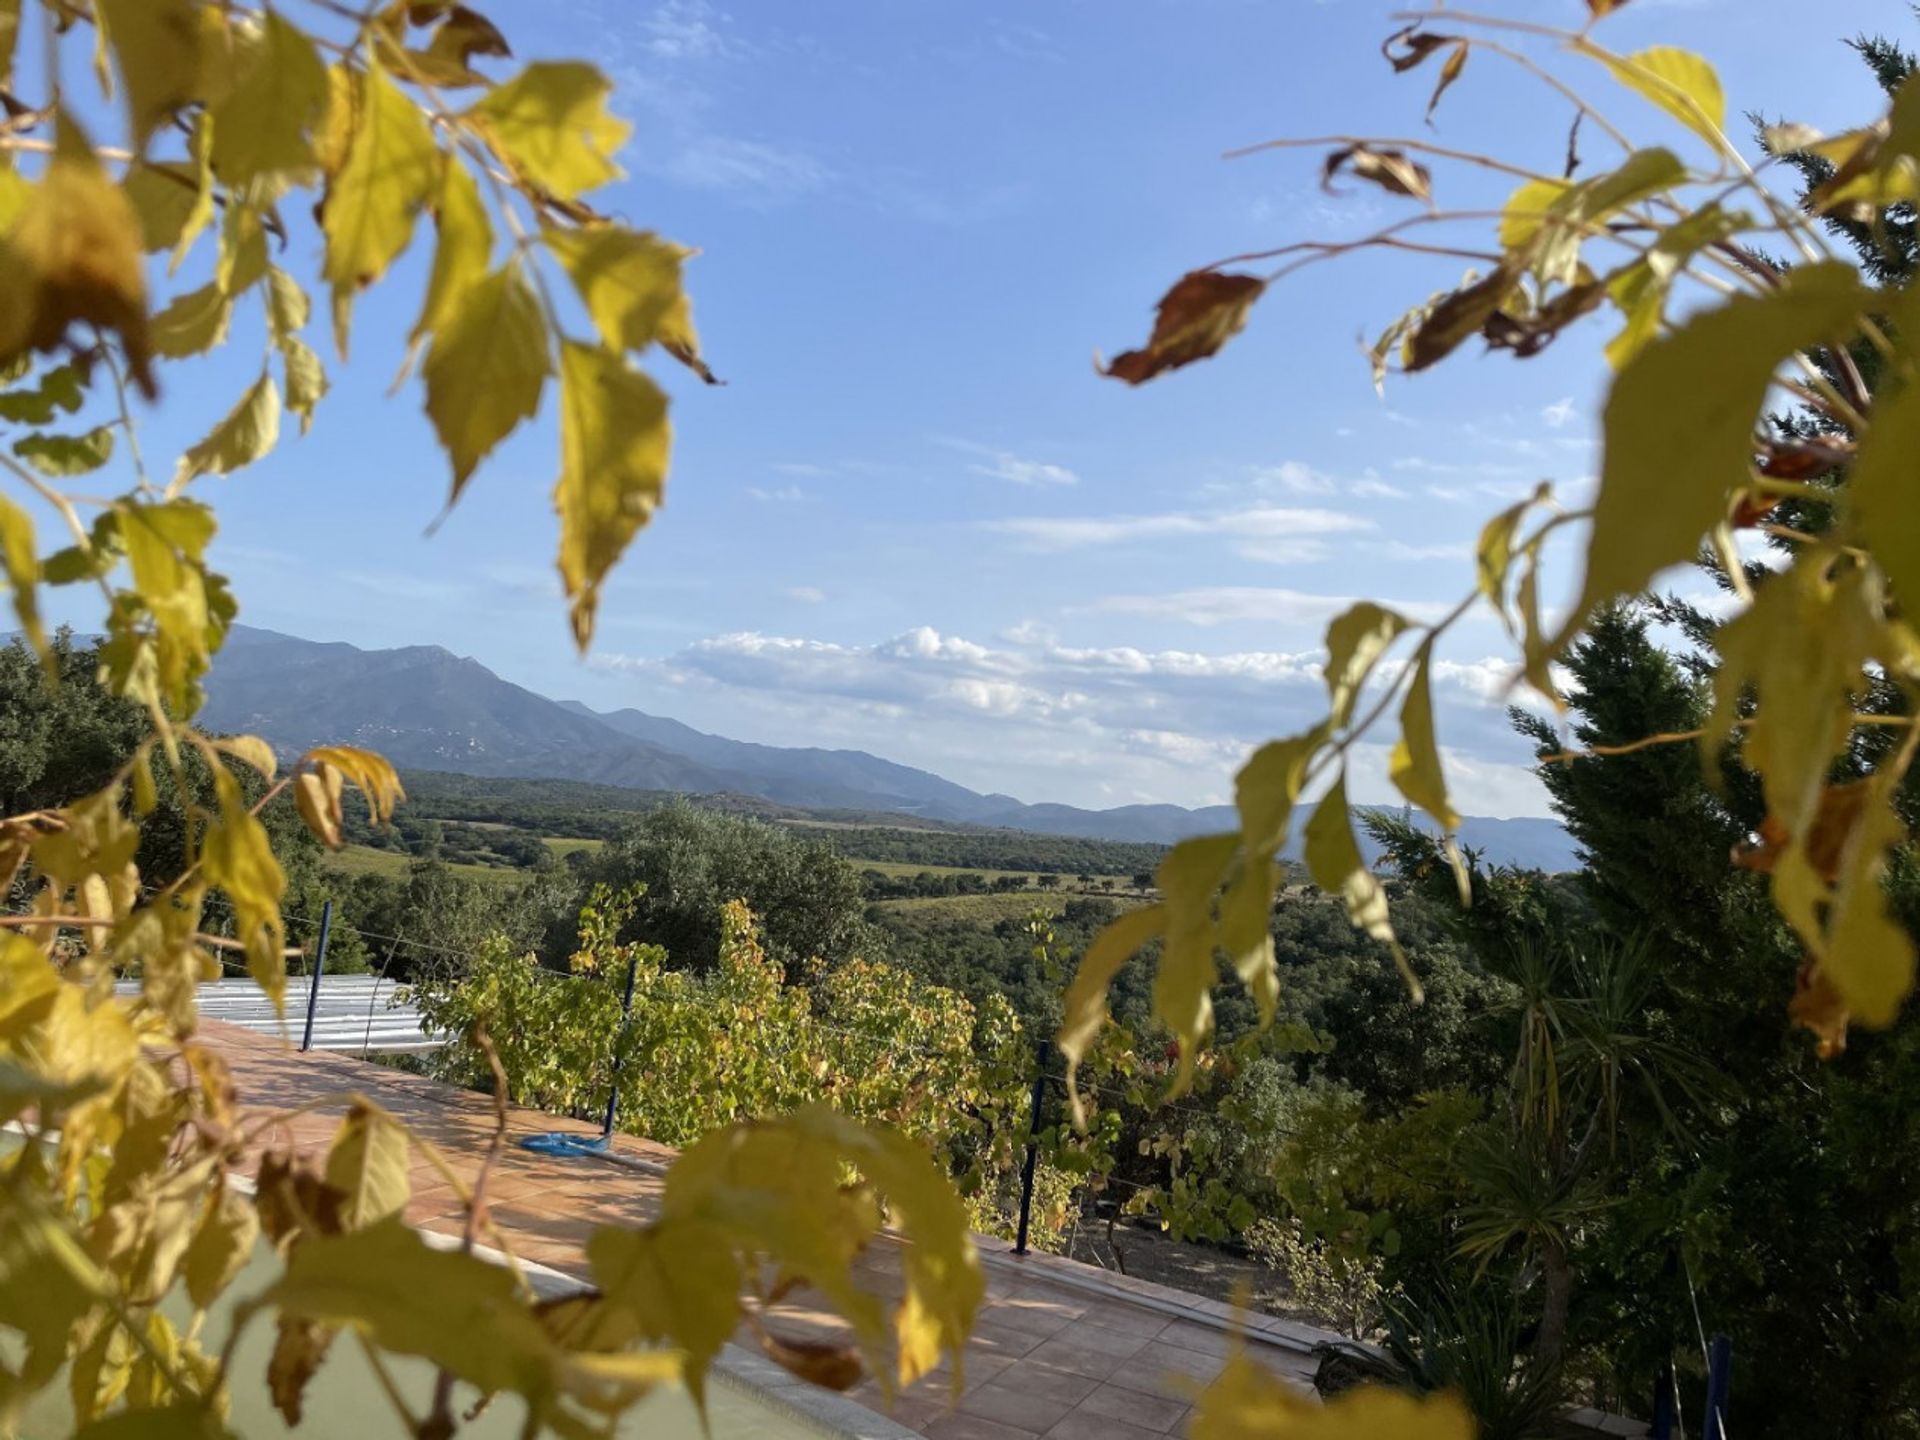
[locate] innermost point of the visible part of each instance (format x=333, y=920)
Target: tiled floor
x=1059, y=1350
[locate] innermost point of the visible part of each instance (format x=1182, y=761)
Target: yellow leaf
x=237, y=856
x=676, y=1281
x=368, y=1163
x=1246, y=931
x=1493, y=555
x=200, y=212
x=390, y=170
x=306, y=378
x=1678, y=81
x=1268, y=785
x=1878, y=494
x=248, y=431
x=157, y=43
x=463, y=252
x=20, y=556
x=221, y=1246
x=74, y=257
x=60, y=455
x=1415, y=767
x=288, y=307
x=1333, y=860
x=370, y=773
x=261, y=125
x=1527, y=209
x=614, y=440
x=316, y=794
x=1687, y=405
x=676, y=336
x=164, y=544
x=485, y=370
x=629, y=280
x=243, y=250
x=251, y=750
x=1246, y=1401
x=193, y=323
x=1188, y=879
x=1869, y=956
x=1356, y=639
x=1084, y=1010
x=163, y=197
x=551, y=125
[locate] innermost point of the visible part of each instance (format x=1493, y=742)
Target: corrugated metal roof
x=353, y=1013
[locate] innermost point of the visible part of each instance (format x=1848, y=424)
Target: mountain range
x=428, y=709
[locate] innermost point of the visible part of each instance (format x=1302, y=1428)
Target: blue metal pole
x=1666, y=1405
x=1719, y=1387
x=319, y=967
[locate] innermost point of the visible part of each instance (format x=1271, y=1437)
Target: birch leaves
x=233, y=114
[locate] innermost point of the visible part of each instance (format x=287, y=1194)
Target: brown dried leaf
x=833, y=1367
x=1463, y=313
x=1407, y=48
x=293, y=1199
x=1389, y=169
x=297, y=1353
x=1530, y=334
x=1818, y=1006
x=1202, y=311
x=1600, y=9
x=1833, y=825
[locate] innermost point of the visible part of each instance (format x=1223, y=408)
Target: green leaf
x=614, y=441
x=629, y=280
x=1869, y=956
x=247, y=432
x=1334, y=861
x=391, y=168
x=1686, y=406
x=61, y=455
x=193, y=323
x=1415, y=767
x=261, y=125
x=1189, y=878
x=1678, y=81
x=551, y=125
x=163, y=196
x=463, y=252
x=1356, y=639
x=1084, y=1011
x=368, y=1164
x=59, y=389
x=485, y=370
x=237, y=856
x=175, y=1422
x=157, y=43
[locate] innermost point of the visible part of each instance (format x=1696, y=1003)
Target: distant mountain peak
x=426, y=708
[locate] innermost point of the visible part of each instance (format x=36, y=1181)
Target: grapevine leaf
x=221, y=1245
x=163, y=196
x=1268, y=785
x=614, y=440
x=1188, y=879
x=464, y=248
x=193, y=322
x=316, y=793
x=306, y=378
x=371, y=774
x=237, y=856
x=676, y=1282
x=367, y=1163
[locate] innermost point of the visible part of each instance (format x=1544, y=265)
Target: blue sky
x=915, y=521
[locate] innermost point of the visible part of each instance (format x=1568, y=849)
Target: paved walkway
x=1060, y=1349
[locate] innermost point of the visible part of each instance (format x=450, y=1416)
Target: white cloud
x=1255, y=525
x=780, y=495
x=686, y=30
x=806, y=594
x=1237, y=604
x=1402, y=550
x=1559, y=412
x=765, y=169
x=1094, y=725
x=1298, y=479
x=1005, y=465
x=802, y=469
x=1453, y=494
x=1372, y=487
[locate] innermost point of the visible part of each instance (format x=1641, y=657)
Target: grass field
x=567, y=846
x=989, y=909
x=907, y=867
x=365, y=860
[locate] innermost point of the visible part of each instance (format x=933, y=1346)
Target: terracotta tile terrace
x=1060, y=1349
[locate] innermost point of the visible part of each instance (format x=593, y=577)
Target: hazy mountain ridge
x=426, y=708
